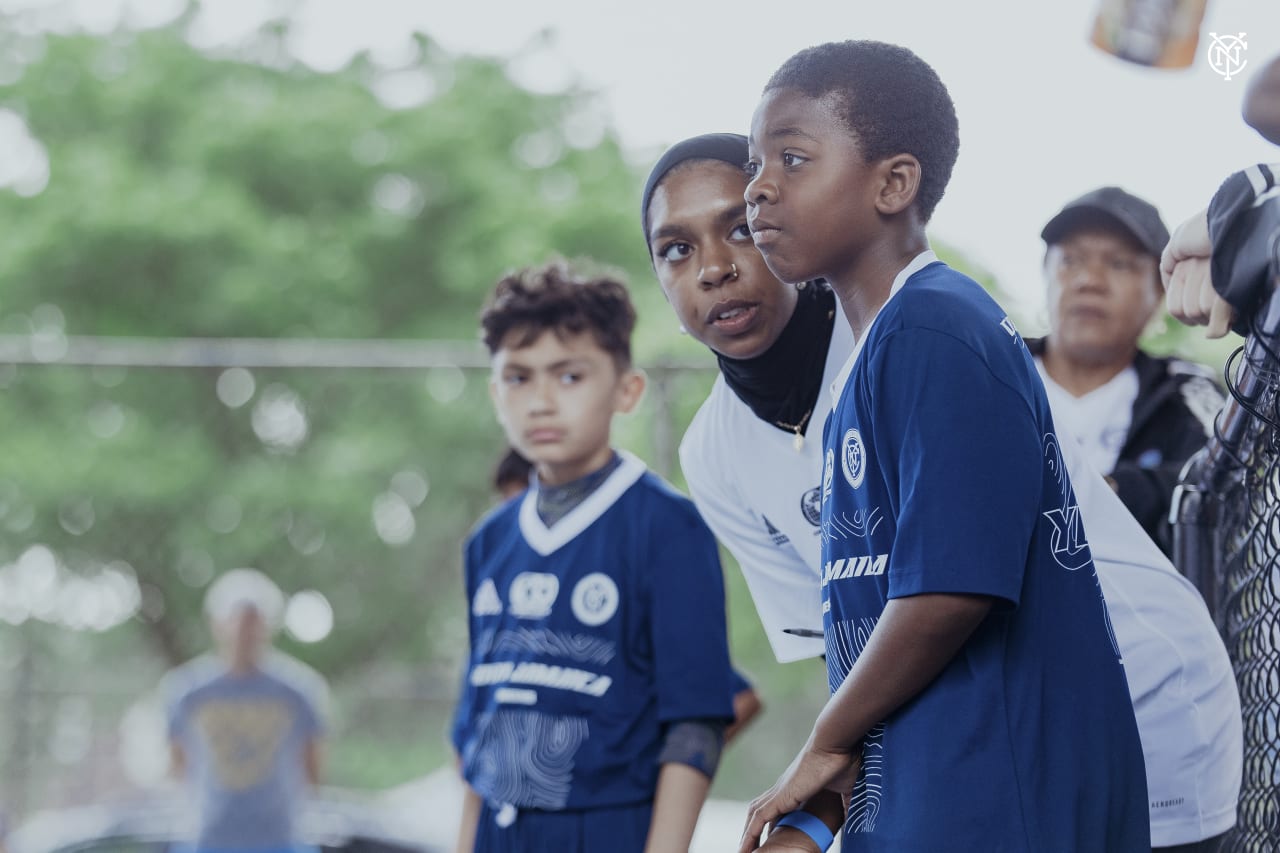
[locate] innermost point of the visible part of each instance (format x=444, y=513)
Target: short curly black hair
x=554, y=298
x=892, y=102
x=512, y=470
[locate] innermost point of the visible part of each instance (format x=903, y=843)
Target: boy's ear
x=630, y=389
x=900, y=183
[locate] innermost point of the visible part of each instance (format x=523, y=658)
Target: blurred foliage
x=243, y=194
x=200, y=196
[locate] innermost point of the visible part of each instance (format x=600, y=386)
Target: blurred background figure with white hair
x=245, y=723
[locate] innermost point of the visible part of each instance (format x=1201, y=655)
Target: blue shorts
x=617, y=829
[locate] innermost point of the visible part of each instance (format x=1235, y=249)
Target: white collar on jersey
x=918, y=263
x=545, y=539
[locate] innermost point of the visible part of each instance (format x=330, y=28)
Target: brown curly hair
x=552, y=297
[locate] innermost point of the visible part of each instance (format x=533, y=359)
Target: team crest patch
x=853, y=458
x=486, y=601
x=828, y=473
x=595, y=599
x=532, y=594
x=811, y=503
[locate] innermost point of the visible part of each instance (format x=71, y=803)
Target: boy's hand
x=811, y=772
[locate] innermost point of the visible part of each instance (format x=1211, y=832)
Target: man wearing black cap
x=1138, y=418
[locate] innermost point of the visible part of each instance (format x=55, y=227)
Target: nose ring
x=733, y=271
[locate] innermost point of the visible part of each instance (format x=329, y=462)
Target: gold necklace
x=798, y=429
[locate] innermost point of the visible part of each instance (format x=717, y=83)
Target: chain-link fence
x=1227, y=539
x=133, y=472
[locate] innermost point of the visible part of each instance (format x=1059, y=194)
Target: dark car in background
x=333, y=821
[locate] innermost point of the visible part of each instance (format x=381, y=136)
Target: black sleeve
x=1148, y=493
x=1182, y=425
x=1244, y=221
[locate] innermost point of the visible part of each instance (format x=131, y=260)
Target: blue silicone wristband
x=811, y=826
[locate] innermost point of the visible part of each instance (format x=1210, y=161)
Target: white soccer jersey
x=1180, y=678
x=762, y=499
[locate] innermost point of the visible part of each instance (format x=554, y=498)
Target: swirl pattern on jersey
x=525, y=758
x=864, y=803
x=845, y=641
x=860, y=525
x=582, y=648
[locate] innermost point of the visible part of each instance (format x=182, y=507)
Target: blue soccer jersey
x=942, y=475
x=586, y=637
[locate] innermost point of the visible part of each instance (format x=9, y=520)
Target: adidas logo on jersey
x=778, y=537
x=855, y=567
x=486, y=601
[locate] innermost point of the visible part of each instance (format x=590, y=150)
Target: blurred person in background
x=245, y=723
x=1138, y=418
x=511, y=475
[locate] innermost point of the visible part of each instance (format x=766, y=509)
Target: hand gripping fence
x=1226, y=517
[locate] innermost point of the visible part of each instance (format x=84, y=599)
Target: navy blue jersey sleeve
x=690, y=649
x=737, y=682
x=965, y=450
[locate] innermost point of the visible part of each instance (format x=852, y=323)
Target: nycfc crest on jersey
x=595, y=599
x=854, y=457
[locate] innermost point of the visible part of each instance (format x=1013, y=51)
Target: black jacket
x=1244, y=225
x=1172, y=419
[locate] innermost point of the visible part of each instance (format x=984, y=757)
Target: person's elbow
x=1261, y=109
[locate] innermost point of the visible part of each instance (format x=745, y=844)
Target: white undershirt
x=1099, y=420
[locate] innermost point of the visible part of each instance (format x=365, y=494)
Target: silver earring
x=801, y=285
x=683, y=330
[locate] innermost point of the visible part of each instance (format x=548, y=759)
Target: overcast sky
x=1044, y=116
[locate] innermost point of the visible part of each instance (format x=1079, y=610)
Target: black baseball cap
x=1115, y=207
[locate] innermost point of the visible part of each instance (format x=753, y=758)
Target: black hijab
x=781, y=385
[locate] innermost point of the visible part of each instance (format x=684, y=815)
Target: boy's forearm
x=912, y=643
x=676, y=805
x=470, y=820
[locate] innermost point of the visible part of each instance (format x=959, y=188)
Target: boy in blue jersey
x=978, y=700
x=597, y=690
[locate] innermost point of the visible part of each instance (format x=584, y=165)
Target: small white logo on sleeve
x=853, y=457
x=1008, y=326
x=532, y=594
x=595, y=599
x=486, y=601
x=828, y=473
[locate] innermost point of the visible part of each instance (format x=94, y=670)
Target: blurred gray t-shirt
x=244, y=739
